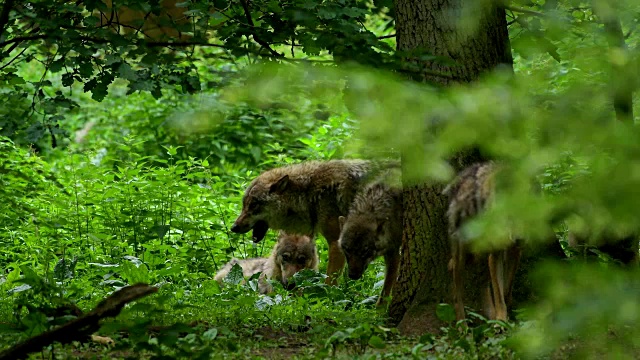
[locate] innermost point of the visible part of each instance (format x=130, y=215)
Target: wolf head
x=360, y=235
x=260, y=203
x=295, y=253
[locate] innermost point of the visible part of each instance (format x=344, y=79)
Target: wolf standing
x=304, y=198
x=374, y=228
x=469, y=194
x=291, y=254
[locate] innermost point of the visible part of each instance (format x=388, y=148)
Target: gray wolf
x=305, y=198
x=373, y=228
x=291, y=254
x=469, y=194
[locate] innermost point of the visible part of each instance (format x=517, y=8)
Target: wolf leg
x=392, y=264
x=264, y=287
x=335, y=263
x=512, y=261
x=496, y=270
x=456, y=266
x=330, y=229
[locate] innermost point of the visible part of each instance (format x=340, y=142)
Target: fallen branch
x=81, y=327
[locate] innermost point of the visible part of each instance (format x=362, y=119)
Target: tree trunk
x=481, y=45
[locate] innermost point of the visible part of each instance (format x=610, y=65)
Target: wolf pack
x=357, y=206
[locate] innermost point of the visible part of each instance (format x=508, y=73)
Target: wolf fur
x=469, y=194
x=305, y=198
x=292, y=253
x=373, y=228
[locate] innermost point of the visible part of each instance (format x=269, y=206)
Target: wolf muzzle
x=356, y=274
x=289, y=285
x=260, y=228
x=240, y=226
x=238, y=229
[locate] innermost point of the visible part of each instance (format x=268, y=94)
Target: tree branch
x=524, y=11
x=19, y=39
x=14, y=58
x=264, y=44
x=4, y=15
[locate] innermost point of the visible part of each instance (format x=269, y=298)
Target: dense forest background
x=129, y=131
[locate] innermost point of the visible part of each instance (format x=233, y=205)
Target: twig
x=387, y=36
x=247, y=14
x=24, y=38
x=14, y=58
x=524, y=11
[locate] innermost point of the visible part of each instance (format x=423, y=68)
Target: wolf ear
x=280, y=185
x=341, y=221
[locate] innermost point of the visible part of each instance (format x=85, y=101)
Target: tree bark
x=482, y=45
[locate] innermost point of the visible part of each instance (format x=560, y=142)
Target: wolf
x=373, y=228
x=469, y=194
x=305, y=198
x=291, y=254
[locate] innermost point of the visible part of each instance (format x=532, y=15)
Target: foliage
x=579, y=312
x=472, y=338
x=157, y=47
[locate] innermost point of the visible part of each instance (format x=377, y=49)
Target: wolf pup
x=374, y=228
x=468, y=195
x=304, y=198
x=291, y=254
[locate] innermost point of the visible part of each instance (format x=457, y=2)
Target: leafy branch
x=264, y=44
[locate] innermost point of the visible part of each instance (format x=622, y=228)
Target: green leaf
x=64, y=269
x=99, y=92
x=479, y=331
x=156, y=92
x=377, y=342
x=56, y=65
x=172, y=150
x=89, y=85
x=210, y=334
x=325, y=13
x=67, y=79
x=264, y=302
x=85, y=69
x=16, y=80
x=426, y=339
x=126, y=72
x=134, y=274
x=445, y=312
x=21, y=288
x=91, y=21
x=235, y=275
x=463, y=343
